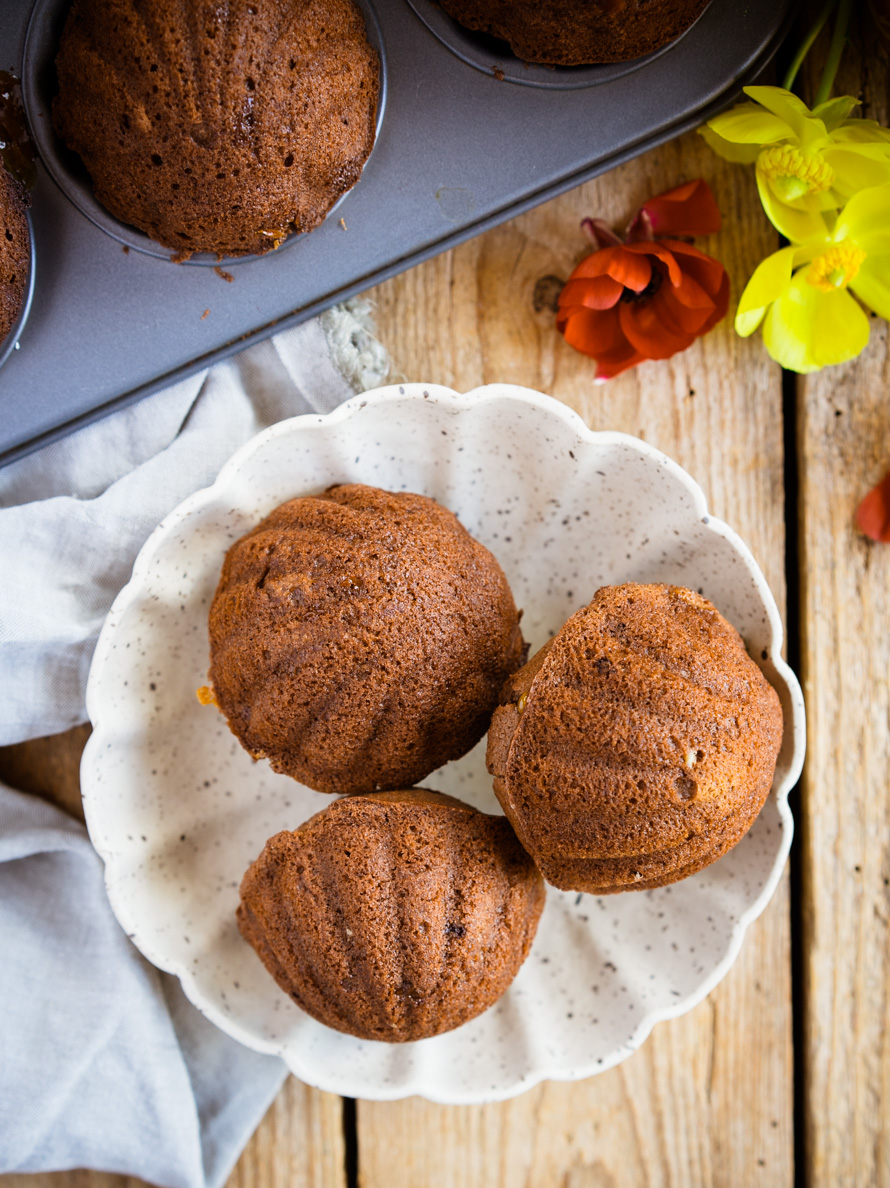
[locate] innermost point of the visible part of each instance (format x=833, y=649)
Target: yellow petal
x=749, y=124
x=835, y=111
x=861, y=132
x=796, y=225
x=866, y=218
x=786, y=106
x=741, y=154
x=807, y=328
x=858, y=167
x=872, y=284
x=771, y=278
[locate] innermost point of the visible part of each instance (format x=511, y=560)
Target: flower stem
x=806, y=44
x=838, y=41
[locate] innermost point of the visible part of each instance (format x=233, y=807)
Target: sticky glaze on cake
x=578, y=32
x=393, y=916
x=218, y=128
x=359, y=639
x=15, y=251
x=638, y=745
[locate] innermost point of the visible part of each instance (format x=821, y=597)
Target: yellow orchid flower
x=800, y=292
x=809, y=163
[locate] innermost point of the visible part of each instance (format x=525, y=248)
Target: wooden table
x=786, y=1066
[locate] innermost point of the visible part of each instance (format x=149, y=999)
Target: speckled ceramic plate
x=178, y=811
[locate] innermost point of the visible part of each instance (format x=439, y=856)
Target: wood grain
x=708, y=1099
x=844, y=448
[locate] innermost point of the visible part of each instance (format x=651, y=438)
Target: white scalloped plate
x=178, y=811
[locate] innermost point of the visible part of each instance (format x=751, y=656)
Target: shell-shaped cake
x=393, y=916
x=218, y=127
x=15, y=251
x=359, y=639
x=638, y=745
x=568, y=33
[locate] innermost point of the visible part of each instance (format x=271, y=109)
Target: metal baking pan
x=469, y=137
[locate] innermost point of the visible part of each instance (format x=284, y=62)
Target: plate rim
x=332, y=1081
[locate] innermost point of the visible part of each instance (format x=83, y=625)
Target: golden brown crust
x=359, y=639
x=394, y=916
x=15, y=251
x=218, y=128
x=646, y=744
x=569, y=33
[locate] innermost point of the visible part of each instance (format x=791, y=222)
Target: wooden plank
x=844, y=444
x=708, y=1099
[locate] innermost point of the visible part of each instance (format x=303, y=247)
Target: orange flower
x=873, y=513
x=646, y=298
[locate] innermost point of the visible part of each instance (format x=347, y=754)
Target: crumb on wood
x=221, y=272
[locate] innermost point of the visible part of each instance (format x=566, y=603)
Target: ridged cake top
x=637, y=741
x=215, y=126
x=393, y=916
x=359, y=638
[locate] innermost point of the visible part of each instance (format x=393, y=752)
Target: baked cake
x=638, y=745
x=393, y=916
x=359, y=639
x=578, y=32
x=218, y=127
x=15, y=251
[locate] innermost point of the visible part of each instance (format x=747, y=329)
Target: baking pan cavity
x=494, y=57
x=40, y=85
x=11, y=342
x=457, y=153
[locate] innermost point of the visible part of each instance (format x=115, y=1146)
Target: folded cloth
x=103, y=1062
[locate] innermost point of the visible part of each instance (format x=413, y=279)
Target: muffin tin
x=470, y=137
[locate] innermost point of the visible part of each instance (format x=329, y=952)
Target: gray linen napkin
x=103, y=1062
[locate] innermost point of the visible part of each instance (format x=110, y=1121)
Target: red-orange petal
x=649, y=328
x=662, y=253
x=705, y=269
x=690, y=209
x=873, y=513
x=595, y=292
x=631, y=269
x=688, y=318
x=596, y=264
x=614, y=362
x=592, y=332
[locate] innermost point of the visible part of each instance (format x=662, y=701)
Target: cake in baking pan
x=15, y=251
x=578, y=32
x=218, y=127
